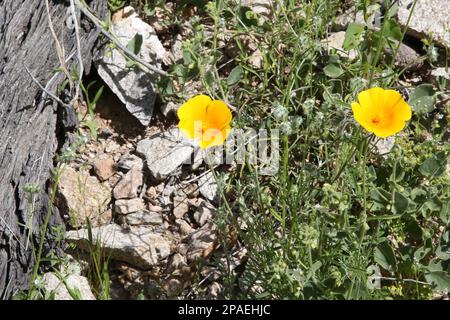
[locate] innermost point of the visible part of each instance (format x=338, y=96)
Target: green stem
x=363, y=217
x=344, y=165
x=227, y=206
x=378, y=52
x=44, y=228
x=284, y=182
x=394, y=55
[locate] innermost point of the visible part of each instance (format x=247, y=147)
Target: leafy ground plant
x=340, y=219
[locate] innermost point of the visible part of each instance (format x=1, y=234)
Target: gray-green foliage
x=339, y=220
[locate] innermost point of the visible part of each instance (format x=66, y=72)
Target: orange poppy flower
x=383, y=112
x=206, y=120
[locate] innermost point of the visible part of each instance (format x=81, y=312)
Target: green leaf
x=353, y=36
x=421, y=253
x=443, y=250
x=333, y=70
x=418, y=195
x=92, y=127
x=400, y=203
x=392, y=30
x=235, y=75
x=414, y=230
x=97, y=96
x=187, y=58
x=380, y=196
x=275, y=214
x=423, y=98
x=74, y=292
x=149, y=10
x=393, y=10
x=432, y=167
x=135, y=44
x=312, y=270
x=180, y=70
x=384, y=256
x=248, y=17
x=439, y=279
x=397, y=174
x=433, y=204
x=444, y=215
x=435, y=265
x=115, y=5
x=209, y=78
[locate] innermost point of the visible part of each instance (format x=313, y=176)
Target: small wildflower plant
x=338, y=219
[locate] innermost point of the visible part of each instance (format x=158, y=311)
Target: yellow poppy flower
x=205, y=120
x=383, y=112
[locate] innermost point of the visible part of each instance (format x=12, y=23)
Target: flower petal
x=188, y=128
x=214, y=137
x=360, y=115
x=194, y=109
x=371, y=99
x=389, y=129
x=218, y=115
x=396, y=103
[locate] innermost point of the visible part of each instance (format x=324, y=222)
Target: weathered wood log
x=30, y=129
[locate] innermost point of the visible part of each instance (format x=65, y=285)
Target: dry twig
x=112, y=38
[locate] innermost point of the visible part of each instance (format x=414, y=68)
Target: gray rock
x=126, y=206
x=180, y=206
x=74, y=266
x=129, y=185
x=384, y=146
x=439, y=74
x=199, y=244
x=177, y=49
x=112, y=146
x=204, y=213
x=183, y=227
x=130, y=161
x=214, y=155
x=199, y=155
x=208, y=186
x=430, y=18
x=406, y=57
x=75, y=282
x=169, y=108
x=215, y=291
x=83, y=197
x=165, y=152
x=104, y=168
x=262, y=7
x=256, y=59
x=235, y=259
x=343, y=20
x=134, y=87
x=175, y=264
x=138, y=246
x=172, y=286
x=335, y=41
x=212, y=273
x=143, y=217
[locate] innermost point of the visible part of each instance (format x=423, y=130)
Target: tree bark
x=32, y=125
